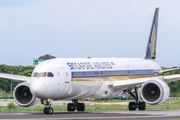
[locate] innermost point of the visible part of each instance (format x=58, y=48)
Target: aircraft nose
x=38, y=88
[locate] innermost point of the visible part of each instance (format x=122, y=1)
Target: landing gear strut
x=137, y=103
x=49, y=109
x=75, y=106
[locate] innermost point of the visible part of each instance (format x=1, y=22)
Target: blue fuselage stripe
x=84, y=74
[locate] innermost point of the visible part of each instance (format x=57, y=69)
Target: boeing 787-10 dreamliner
x=80, y=78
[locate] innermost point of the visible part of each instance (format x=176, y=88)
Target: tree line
x=175, y=85
x=5, y=84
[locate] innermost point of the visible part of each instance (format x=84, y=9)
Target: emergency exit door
x=65, y=74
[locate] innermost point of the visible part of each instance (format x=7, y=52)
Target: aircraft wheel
x=45, y=110
x=50, y=110
x=142, y=106
x=132, y=106
x=80, y=107
x=70, y=107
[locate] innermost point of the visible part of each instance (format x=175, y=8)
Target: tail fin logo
x=152, y=44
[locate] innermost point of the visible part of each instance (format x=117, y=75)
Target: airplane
x=88, y=78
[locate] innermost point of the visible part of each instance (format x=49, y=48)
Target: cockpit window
x=43, y=74
x=35, y=74
x=50, y=74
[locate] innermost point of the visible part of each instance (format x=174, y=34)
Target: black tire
x=70, y=107
x=142, y=106
x=50, y=110
x=80, y=107
x=132, y=106
x=45, y=110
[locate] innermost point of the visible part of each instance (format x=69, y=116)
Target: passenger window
x=50, y=74
x=43, y=74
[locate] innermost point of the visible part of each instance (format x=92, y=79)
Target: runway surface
x=96, y=115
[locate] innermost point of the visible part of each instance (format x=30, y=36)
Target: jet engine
x=154, y=91
x=23, y=96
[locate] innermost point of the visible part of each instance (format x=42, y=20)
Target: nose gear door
x=65, y=74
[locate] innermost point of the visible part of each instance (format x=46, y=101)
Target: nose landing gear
x=75, y=106
x=49, y=109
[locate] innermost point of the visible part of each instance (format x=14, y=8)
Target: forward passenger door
x=66, y=74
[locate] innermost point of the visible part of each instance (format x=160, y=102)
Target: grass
x=169, y=104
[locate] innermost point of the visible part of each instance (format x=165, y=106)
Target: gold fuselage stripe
x=111, y=78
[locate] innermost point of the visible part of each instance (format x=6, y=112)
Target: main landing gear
x=75, y=106
x=137, y=103
x=49, y=109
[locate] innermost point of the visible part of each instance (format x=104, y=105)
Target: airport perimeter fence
x=6, y=98
x=91, y=106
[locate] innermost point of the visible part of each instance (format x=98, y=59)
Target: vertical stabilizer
x=150, y=52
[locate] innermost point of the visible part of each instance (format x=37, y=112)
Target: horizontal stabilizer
x=169, y=70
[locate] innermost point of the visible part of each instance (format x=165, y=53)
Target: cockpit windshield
x=42, y=74
x=35, y=74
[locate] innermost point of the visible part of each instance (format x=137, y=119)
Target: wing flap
x=15, y=77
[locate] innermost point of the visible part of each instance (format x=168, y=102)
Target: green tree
x=15, y=70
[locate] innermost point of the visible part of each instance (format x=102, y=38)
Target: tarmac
x=96, y=115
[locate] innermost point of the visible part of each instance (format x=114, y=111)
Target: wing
x=123, y=84
x=15, y=77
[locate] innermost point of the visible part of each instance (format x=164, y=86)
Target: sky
x=96, y=28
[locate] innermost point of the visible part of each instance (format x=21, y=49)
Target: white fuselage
x=87, y=78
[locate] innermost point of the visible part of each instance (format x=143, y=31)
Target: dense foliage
x=174, y=86
x=5, y=84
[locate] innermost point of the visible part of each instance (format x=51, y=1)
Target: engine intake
x=23, y=96
x=151, y=92
x=155, y=92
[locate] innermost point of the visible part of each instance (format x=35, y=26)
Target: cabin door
x=65, y=74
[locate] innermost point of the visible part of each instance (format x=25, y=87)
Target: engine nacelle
x=23, y=96
x=154, y=91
